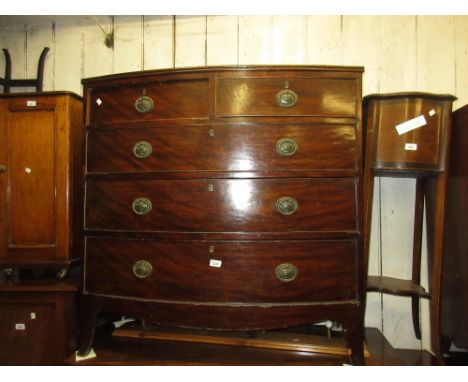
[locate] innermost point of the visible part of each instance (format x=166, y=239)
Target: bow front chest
x=225, y=198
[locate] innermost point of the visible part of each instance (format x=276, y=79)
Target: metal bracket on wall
x=7, y=82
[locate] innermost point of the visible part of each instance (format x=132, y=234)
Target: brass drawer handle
x=141, y=206
x=142, y=269
x=286, y=272
x=144, y=104
x=142, y=149
x=286, y=98
x=286, y=147
x=286, y=205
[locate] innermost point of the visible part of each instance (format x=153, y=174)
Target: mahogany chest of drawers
x=225, y=198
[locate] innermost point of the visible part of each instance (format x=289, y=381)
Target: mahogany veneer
x=225, y=198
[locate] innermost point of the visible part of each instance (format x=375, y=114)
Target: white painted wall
x=399, y=53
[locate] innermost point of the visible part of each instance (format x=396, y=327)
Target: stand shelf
x=395, y=286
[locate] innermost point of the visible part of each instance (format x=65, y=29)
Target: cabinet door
x=34, y=183
x=27, y=334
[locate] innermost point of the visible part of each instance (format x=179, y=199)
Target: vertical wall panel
x=98, y=58
x=397, y=53
x=190, y=41
x=289, y=35
x=461, y=60
x=324, y=40
x=255, y=40
x=436, y=54
x=158, y=42
x=68, y=55
x=38, y=37
x=222, y=40
x=14, y=37
x=128, y=43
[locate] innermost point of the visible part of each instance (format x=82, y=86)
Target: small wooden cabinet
x=408, y=135
x=37, y=322
x=41, y=137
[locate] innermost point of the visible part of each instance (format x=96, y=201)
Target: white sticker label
x=215, y=263
x=411, y=146
x=411, y=124
x=33, y=316
x=432, y=112
x=99, y=102
x=20, y=327
x=31, y=103
x=27, y=170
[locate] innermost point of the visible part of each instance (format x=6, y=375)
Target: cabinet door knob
x=142, y=149
x=286, y=272
x=286, y=147
x=142, y=269
x=286, y=205
x=141, y=206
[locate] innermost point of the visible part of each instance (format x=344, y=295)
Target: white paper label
x=31, y=103
x=99, y=102
x=27, y=170
x=20, y=327
x=411, y=146
x=215, y=263
x=33, y=316
x=411, y=124
x=432, y=112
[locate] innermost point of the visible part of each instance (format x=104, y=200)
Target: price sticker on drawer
x=31, y=103
x=411, y=146
x=20, y=327
x=215, y=263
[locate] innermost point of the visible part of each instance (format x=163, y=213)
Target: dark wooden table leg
x=88, y=314
x=354, y=335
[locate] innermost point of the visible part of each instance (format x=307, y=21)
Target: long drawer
x=222, y=148
x=207, y=205
x=278, y=271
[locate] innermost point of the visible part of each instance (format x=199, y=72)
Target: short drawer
x=151, y=101
x=330, y=97
x=222, y=148
x=279, y=271
x=206, y=205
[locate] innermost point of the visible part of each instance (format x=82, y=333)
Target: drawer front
x=151, y=101
x=278, y=271
x=240, y=205
x=283, y=96
x=222, y=148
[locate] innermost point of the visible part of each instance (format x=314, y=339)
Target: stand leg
x=417, y=245
x=88, y=314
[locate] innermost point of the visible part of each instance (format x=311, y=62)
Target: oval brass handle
x=287, y=205
x=144, y=104
x=286, y=147
x=2, y=168
x=286, y=272
x=141, y=206
x=142, y=269
x=142, y=149
x=286, y=98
